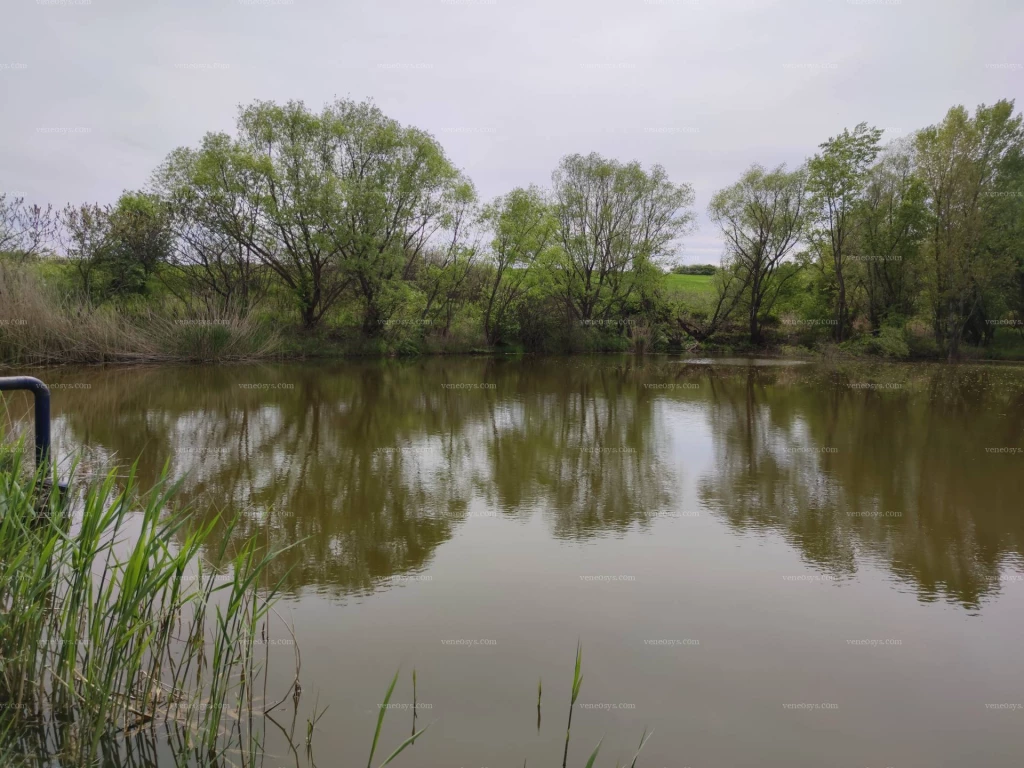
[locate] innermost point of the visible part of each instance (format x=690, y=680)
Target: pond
x=767, y=564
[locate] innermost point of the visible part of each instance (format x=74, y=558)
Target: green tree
x=346, y=199
x=891, y=219
x=84, y=232
x=208, y=266
x=398, y=189
x=702, y=314
x=522, y=227
x=613, y=221
x=25, y=230
x=836, y=177
x=961, y=162
x=1007, y=212
x=138, y=242
x=447, y=266
x=761, y=218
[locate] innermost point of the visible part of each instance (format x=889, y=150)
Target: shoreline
x=767, y=353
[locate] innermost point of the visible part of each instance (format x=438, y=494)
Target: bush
x=694, y=269
x=891, y=342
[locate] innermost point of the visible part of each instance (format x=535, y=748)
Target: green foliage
x=346, y=200
x=615, y=223
x=890, y=342
x=835, y=181
x=761, y=218
x=892, y=217
x=117, y=250
x=964, y=163
x=380, y=722
x=523, y=228
x=138, y=242
x=694, y=269
x=353, y=234
x=45, y=319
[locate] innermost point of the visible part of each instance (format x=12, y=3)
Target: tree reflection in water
x=373, y=464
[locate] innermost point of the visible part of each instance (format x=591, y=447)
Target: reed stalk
x=110, y=621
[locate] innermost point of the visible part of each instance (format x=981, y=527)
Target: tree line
x=345, y=221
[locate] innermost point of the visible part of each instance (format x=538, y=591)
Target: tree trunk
x=308, y=316
x=841, y=308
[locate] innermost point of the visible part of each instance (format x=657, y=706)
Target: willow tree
x=446, y=270
x=398, y=191
x=761, y=218
x=270, y=192
x=836, y=177
x=891, y=218
x=522, y=228
x=962, y=162
x=209, y=266
x=615, y=221
x=341, y=200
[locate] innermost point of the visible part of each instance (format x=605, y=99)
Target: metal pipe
x=41, y=393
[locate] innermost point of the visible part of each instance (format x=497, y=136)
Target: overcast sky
x=95, y=93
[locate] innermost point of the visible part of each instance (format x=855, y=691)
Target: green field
x=689, y=283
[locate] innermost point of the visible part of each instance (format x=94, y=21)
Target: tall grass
x=111, y=627
x=41, y=323
x=110, y=622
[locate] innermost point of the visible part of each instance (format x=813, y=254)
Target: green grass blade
x=380, y=719
x=577, y=679
x=403, y=745
x=643, y=740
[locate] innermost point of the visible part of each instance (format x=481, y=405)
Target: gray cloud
x=96, y=92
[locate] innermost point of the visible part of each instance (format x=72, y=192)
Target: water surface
x=770, y=565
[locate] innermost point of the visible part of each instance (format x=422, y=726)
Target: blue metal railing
x=42, y=412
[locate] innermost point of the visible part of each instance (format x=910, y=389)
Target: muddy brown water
x=768, y=564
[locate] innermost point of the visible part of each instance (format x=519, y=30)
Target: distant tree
x=522, y=227
x=207, y=264
x=1005, y=214
x=836, y=177
x=347, y=199
x=962, y=162
x=761, y=218
x=139, y=241
x=84, y=233
x=891, y=218
x=25, y=230
x=694, y=269
x=701, y=317
x=446, y=267
x=613, y=221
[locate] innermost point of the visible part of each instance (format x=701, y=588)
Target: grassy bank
x=43, y=320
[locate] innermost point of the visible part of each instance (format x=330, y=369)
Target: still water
x=768, y=564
